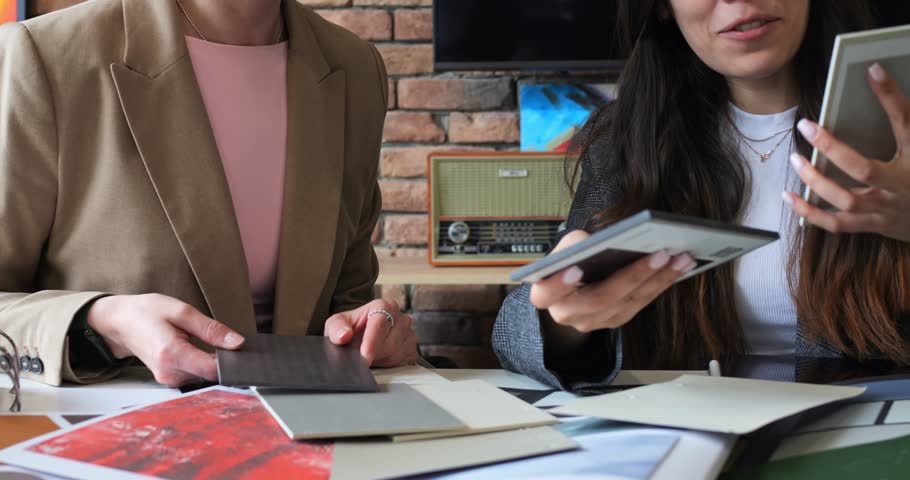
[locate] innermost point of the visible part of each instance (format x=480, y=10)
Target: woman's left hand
x=883, y=206
x=384, y=333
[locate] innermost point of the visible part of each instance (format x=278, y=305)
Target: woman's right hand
x=156, y=329
x=612, y=302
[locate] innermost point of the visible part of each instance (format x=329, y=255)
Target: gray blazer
x=518, y=338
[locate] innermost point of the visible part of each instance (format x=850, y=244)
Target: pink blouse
x=245, y=93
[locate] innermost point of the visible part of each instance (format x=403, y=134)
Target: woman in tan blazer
x=116, y=214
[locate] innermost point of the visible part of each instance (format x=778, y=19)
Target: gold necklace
x=763, y=157
x=193, y=24
x=759, y=140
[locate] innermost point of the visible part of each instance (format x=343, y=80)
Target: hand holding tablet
x=710, y=243
x=602, y=280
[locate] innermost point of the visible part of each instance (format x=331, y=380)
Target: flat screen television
x=525, y=35
x=548, y=34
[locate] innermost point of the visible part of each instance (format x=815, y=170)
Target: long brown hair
x=658, y=143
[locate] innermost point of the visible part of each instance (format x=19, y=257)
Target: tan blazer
x=110, y=179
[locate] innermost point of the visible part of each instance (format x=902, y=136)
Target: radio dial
x=459, y=232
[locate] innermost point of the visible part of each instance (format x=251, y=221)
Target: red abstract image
x=214, y=434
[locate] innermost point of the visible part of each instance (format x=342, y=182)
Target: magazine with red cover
x=217, y=433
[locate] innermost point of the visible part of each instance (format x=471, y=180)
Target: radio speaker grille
x=480, y=186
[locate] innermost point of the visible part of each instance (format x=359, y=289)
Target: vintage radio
x=494, y=208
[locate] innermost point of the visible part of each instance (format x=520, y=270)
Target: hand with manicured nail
x=157, y=329
x=384, y=342
x=612, y=302
x=880, y=207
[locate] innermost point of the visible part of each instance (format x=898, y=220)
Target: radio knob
x=459, y=232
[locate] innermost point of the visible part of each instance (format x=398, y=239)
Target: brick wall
x=427, y=112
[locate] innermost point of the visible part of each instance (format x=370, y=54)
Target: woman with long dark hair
x=715, y=118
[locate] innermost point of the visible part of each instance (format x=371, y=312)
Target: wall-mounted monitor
x=548, y=34
x=525, y=35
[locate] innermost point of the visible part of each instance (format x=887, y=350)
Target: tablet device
x=850, y=109
x=710, y=243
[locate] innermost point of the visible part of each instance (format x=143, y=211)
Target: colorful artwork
x=12, y=10
x=213, y=434
x=551, y=114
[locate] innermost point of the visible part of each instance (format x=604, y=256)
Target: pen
x=714, y=368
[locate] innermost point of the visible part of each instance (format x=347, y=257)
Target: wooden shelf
x=416, y=271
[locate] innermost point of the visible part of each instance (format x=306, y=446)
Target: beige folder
x=481, y=407
x=714, y=404
x=410, y=374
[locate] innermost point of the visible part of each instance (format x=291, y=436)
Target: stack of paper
x=417, y=421
x=227, y=433
x=404, y=412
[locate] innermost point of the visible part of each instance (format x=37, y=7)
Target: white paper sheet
x=899, y=413
x=135, y=387
x=13, y=473
x=715, y=404
x=43, y=399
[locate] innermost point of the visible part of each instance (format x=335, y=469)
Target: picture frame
x=551, y=113
x=12, y=10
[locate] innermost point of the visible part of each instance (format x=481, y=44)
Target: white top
x=763, y=300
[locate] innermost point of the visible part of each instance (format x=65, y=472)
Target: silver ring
x=388, y=316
